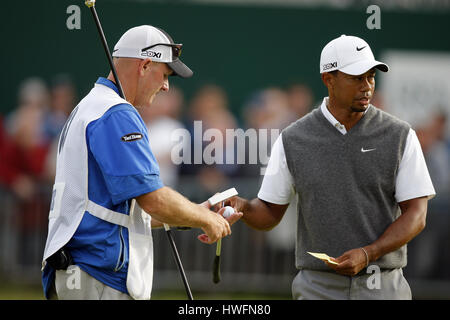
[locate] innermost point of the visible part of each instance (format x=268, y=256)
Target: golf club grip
x=216, y=269
x=179, y=265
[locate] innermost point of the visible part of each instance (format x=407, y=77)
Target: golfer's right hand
x=216, y=228
x=237, y=203
x=205, y=238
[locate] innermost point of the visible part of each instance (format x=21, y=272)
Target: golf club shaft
x=91, y=5
x=178, y=261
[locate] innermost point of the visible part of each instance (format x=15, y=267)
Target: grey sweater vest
x=346, y=196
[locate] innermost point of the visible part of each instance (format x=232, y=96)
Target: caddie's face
x=155, y=79
x=354, y=92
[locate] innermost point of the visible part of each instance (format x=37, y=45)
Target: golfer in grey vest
x=361, y=181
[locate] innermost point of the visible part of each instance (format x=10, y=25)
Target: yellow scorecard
x=322, y=256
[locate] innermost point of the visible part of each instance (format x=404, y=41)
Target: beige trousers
x=75, y=284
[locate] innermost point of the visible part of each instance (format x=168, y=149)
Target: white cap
x=350, y=55
x=149, y=42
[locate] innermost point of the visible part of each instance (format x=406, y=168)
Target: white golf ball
x=228, y=211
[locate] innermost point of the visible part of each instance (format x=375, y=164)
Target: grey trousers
x=75, y=284
x=321, y=285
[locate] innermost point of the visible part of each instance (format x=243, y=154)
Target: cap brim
x=361, y=67
x=180, y=69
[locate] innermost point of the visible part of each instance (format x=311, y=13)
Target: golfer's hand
x=350, y=263
x=237, y=203
x=218, y=208
x=206, y=238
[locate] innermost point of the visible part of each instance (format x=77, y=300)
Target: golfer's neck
x=343, y=113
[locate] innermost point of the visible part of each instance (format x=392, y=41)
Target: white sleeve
x=278, y=184
x=413, y=179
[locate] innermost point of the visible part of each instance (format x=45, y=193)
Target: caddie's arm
x=158, y=224
x=170, y=207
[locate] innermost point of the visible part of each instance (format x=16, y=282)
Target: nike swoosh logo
x=367, y=150
x=359, y=49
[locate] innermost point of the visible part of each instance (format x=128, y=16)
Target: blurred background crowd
x=30, y=132
x=253, y=261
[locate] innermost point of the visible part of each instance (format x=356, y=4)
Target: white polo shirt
x=413, y=179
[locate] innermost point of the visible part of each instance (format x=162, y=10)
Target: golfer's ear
x=326, y=78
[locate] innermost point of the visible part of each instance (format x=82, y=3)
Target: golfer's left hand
x=218, y=208
x=349, y=263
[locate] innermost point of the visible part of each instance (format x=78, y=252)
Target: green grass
x=169, y=295
x=21, y=292
x=27, y=292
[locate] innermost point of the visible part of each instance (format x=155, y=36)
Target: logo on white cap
x=150, y=42
x=349, y=54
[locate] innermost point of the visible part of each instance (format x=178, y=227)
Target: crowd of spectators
x=29, y=134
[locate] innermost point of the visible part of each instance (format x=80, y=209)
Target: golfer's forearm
x=258, y=215
x=400, y=232
x=168, y=206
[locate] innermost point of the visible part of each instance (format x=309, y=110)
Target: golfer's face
x=355, y=91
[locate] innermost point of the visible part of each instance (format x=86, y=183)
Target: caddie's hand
x=216, y=229
x=350, y=263
x=205, y=238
